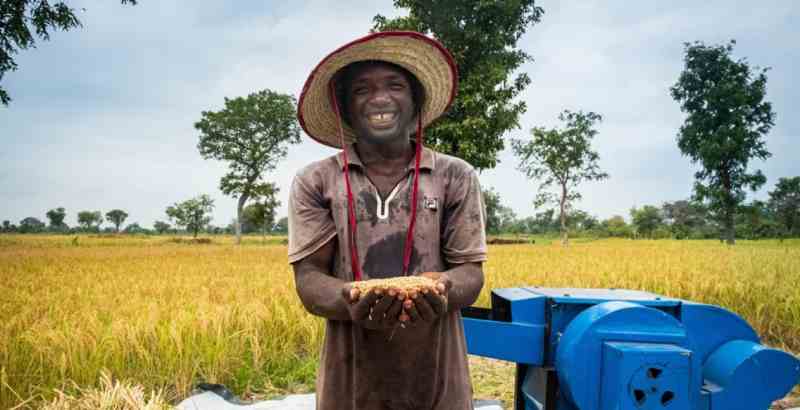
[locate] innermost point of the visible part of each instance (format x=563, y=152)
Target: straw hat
x=424, y=57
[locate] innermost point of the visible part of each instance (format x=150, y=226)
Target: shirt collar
x=428, y=160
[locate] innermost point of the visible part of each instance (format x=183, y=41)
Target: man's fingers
x=410, y=309
x=404, y=317
x=393, y=313
x=362, y=307
x=381, y=306
x=437, y=302
x=346, y=289
x=423, y=308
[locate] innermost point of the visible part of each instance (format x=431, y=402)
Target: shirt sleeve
x=311, y=223
x=464, y=233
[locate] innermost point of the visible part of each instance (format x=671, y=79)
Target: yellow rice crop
x=167, y=315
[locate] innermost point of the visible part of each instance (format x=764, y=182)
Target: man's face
x=380, y=104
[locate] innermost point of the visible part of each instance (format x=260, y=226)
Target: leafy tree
x=161, y=227
x=282, y=226
x=18, y=18
x=497, y=215
x=8, y=227
x=56, y=217
x=491, y=203
x=727, y=119
x=116, y=217
x=527, y=225
x=580, y=220
x=784, y=201
x=616, y=227
x=482, y=36
x=90, y=220
x=755, y=221
x=31, y=225
x=252, y=134
x=646, y=220
x=260, y=215
x=561, y=159
x=544, y=222
x=508, y=219
x=134, y=228
x=684, y=217
x=193, y=214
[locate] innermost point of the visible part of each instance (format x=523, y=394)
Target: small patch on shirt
x=430, y=203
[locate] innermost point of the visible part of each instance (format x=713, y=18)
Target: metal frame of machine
x=611, y=349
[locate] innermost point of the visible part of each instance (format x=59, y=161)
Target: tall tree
x=260, y=215
x=616, y=227
x=482, y=36
x=646, y=220
x=116, y=217
x=756, y=221
x=56, y=217
x=497, y=215
x=31, y=225
x=544, y=222
x=19, y=19
x=582, y=220
x=90, y=220
x=282, y=226
x=134, y=228
x=161, y=227
x=193, y=214
x=561, y=159
x=684, y=217
x=8, y=227
x=252, y=134
x=784, y=201
x=727, y=120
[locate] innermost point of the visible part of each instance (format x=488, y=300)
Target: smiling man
x=386, y=206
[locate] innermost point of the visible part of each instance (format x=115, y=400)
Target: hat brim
x=422, y=56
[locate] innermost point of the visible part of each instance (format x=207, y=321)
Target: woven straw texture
x=418, y=54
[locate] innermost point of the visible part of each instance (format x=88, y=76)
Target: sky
x=102, y=116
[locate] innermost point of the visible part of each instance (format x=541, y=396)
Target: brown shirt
x=419, y=368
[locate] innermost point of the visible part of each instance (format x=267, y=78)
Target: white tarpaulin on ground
x=211, y=401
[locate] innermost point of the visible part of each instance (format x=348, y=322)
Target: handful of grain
x=401, y=283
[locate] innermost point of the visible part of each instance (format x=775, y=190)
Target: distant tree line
x=778, y=217
x=192, y=216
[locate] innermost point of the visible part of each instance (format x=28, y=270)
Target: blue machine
x=608, y=349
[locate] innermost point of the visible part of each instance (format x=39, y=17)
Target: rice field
x=160, y=315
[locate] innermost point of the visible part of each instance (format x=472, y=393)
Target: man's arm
x=466, y=284
x=320, y=292
x=332, y=298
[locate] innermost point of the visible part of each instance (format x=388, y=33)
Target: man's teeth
x=382, y=117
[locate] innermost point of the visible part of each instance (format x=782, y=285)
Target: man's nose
x=381, y=97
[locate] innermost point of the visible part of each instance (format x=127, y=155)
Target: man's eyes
x=365, y=90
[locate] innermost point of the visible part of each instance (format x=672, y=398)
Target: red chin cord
x=355, y=264
x=409, y=246
x=351, y=212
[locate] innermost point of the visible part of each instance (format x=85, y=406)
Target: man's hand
x=429, y=304
x=378, y=309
